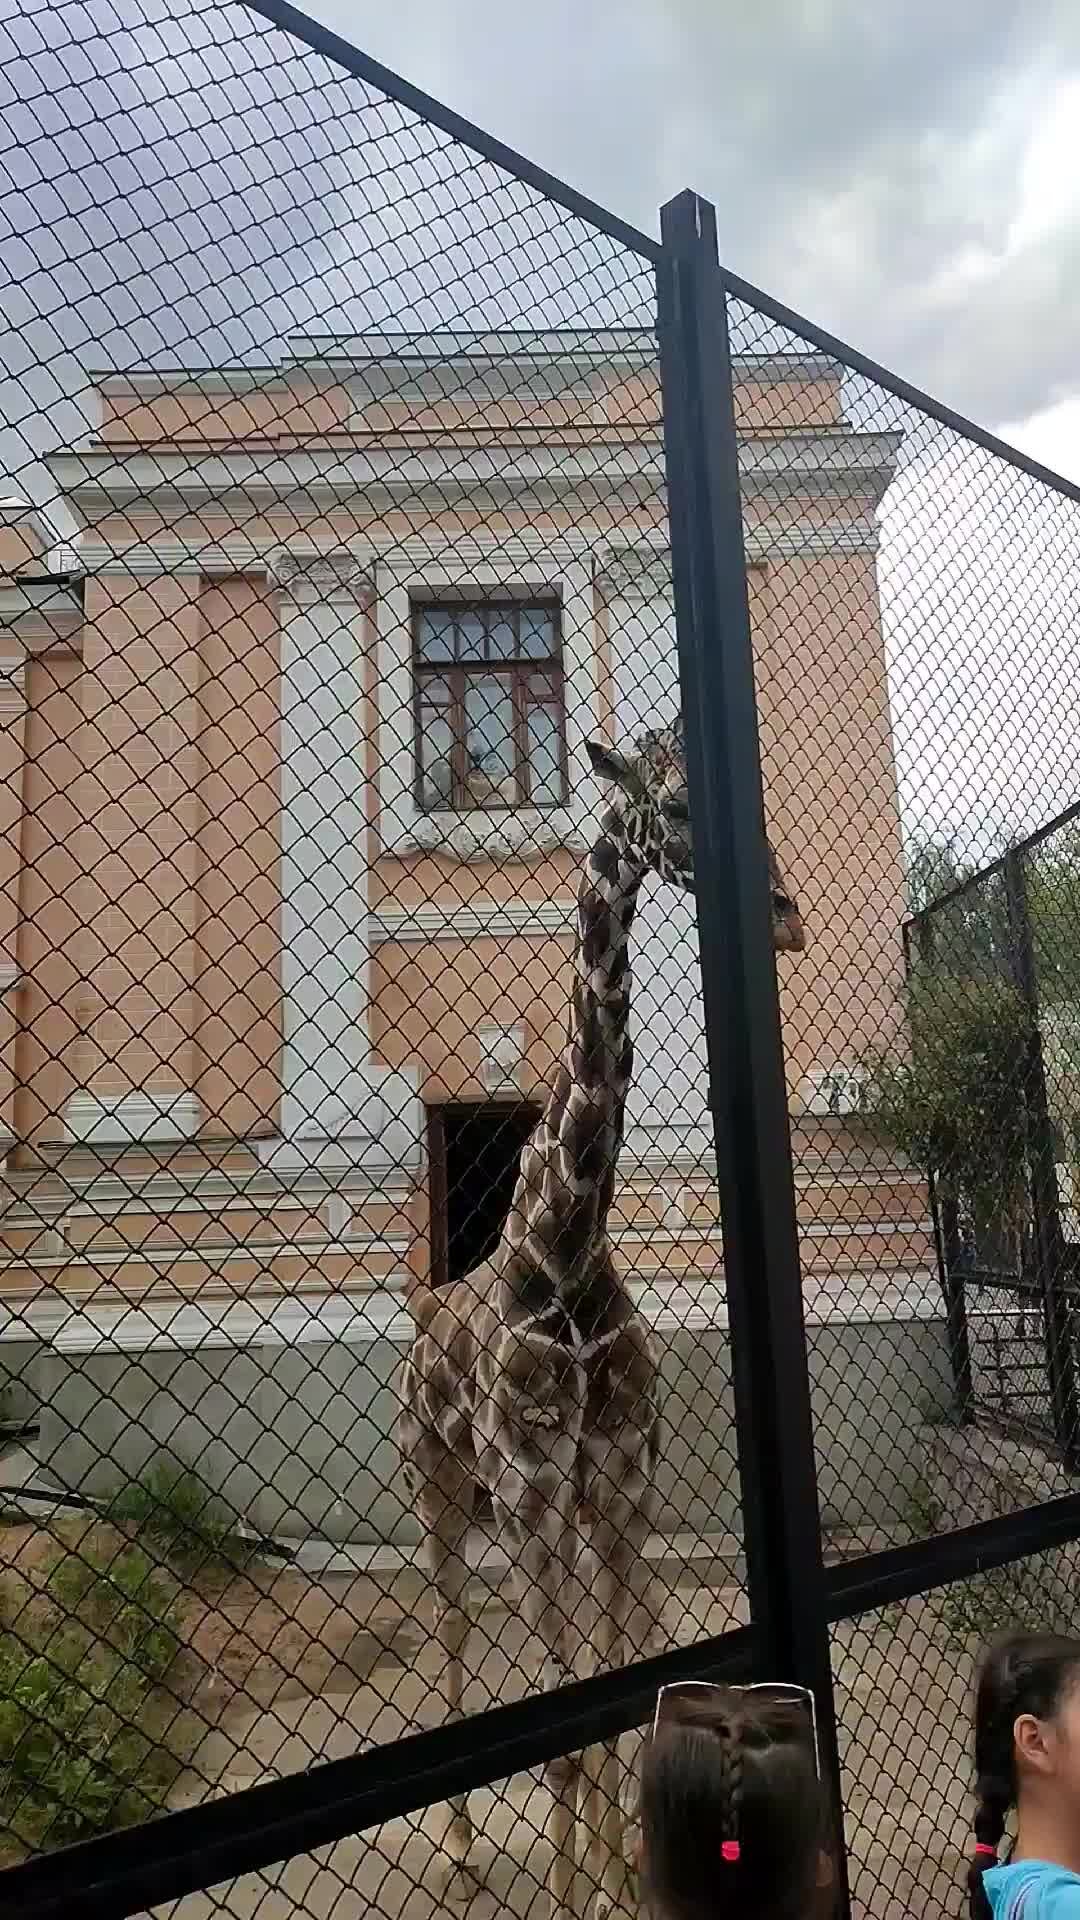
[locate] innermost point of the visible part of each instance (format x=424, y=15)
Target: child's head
x=730, y=1773
x=1027, y=1740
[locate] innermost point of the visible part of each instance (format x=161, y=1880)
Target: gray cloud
x=857, y=154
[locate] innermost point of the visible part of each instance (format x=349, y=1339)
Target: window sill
x=521, y=833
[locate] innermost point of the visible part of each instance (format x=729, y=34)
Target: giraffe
x=534, y=1378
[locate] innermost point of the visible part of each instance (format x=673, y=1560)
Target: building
x=295, y=797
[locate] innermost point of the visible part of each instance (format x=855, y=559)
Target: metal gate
x=400, y=554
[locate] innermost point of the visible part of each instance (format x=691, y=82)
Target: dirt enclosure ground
x=282, y=1670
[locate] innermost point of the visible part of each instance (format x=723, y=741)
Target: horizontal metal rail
x=1063, y=819
x=126, y=1873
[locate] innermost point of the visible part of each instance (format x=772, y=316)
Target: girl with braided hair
x=733, y=1816
x=1027, y=1756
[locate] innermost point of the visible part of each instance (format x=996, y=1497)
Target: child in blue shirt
x=1027, y=1756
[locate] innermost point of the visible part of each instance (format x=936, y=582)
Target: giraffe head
x=653, y=805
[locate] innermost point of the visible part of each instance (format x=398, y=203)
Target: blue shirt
x=1032, y=1890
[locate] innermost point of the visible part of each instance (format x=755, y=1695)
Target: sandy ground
x=904, y=1713
x=285, y=1669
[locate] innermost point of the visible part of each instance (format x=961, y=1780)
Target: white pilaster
x=667, y=1108
x=337, y=1109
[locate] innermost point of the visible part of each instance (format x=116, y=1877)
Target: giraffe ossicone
x=535, y=1379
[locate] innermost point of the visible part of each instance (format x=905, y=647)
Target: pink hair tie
x=982, y=1850
x=729, y=1849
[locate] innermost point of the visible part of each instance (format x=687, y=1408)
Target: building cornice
x=41, y=613
x=825, y=464
x=341, y=357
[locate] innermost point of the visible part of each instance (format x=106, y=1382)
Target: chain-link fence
x=998, y=944
x=395, y=554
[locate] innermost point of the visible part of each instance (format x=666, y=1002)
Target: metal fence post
x=945, y=1215
x=748, y=1093
x=1049, y=1244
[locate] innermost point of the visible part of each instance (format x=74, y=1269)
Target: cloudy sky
x=180, y=183
x=907, y=175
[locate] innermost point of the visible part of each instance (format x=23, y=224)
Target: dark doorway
x=475, y=1150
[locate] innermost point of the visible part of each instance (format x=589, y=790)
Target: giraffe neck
x=554, y=1250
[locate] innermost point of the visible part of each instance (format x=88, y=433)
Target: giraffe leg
x=603, y=1767
x=546, y=1559
x=448, y=1523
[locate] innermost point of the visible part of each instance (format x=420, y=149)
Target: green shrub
x=173, y=1510
x=953, y=1100
x=89, y=1740
x=974, y=1611
x=123, y=1597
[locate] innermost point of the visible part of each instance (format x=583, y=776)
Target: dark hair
x=731, y=1766
x=1020, y=1673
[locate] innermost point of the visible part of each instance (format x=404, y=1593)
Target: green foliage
x=175, y=1512
x=952, y=1102
x=123, y=1598
x=976, y=1610
x=1053, y=893
x=88, y=1739
x=971, y=934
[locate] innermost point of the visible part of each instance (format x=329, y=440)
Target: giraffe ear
x=609, y=765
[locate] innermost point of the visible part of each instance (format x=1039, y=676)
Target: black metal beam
x=748, y=1090
x=902, y=1573
x=128, y=1873
x=1065, y=818
x=1048, y=1240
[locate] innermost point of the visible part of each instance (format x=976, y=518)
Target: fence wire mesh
x=999, y=941
x=904, y=1680
x=915, y=596
x=335, y=561
x=364, y=1337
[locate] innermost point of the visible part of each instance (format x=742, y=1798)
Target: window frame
x=456, y=673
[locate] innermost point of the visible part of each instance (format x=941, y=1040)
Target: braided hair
x=1020, y=1673
x=733, y=1818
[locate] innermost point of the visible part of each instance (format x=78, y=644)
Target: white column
x=667, y=1108
x=337, y=1109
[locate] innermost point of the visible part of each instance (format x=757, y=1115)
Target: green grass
x=172, y=1510
x=90, y=1738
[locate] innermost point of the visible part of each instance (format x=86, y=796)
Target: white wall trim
x=184, y=1325
x=10, y=975
x=480, y=920
x=669, y=1306
x=118, y=1119
x=826, y=463
x=525, y=833
x=173, y=1258
x=643, y=567
x=101, y=1195
x=502, y=1055
x=619, y=566
x=342, y=354
x=147, y=559
x=521, y=833
x=312, y=575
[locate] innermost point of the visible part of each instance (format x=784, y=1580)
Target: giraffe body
x=535, y=1378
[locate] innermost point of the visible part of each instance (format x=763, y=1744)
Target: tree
x=969, y=935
